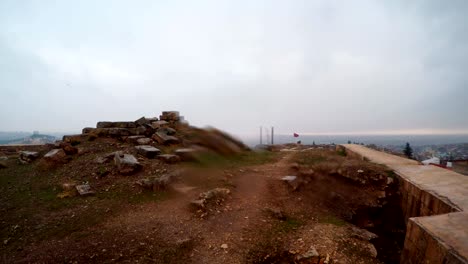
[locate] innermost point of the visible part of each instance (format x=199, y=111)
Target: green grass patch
x=342, y=152
x=148, y=196
x=308, y=159
x=213, y=160
x=288, y=225
x=270, y=249
x=330, y=219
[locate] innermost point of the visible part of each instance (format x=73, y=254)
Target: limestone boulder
x=87, y=130
x=170, y=116
x=134, y=139
x=159, y=183
x=141, y=121
x=113, y=132
x=167, y=130
x=119, y=124
x=144, y=120
x=148, y=151
x=28, y=156
x=144, y=141
x=159, y=124
x=164, y=139
x=84, y=189
x=105, y=158
x=126, y=164
x=74, y=139
x=292, y=181
x=56, y=156
x=68, y=148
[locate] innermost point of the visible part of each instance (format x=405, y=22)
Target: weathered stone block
x=55, y=156
x=126, y=164
x=28, y=156
x=164, y=139
x=148, y=151
x=118, y=124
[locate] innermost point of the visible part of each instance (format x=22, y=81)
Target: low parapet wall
x=435, y=205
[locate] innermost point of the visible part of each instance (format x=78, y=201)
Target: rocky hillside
x=157, y=190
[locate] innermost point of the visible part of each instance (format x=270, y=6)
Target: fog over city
x=301, y=66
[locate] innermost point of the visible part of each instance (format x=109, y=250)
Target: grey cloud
x=311, y=66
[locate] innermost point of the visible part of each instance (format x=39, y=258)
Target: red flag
x=296, y=135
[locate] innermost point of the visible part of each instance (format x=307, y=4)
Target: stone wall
x=433, y=201
x=423, y=244
x=415, y=201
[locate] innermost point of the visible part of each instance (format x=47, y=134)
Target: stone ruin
x=170, y=129
x=169, y=132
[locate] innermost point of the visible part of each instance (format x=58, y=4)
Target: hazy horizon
x=323, y=67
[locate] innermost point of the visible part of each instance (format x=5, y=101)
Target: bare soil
x=123, y=223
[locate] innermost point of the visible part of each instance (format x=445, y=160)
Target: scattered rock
x=74, y=139
x=134, y=139
x=148, y=151
x=126, y=164
x=28, y=156
x=215, y=193
x=159, y=124
x=389, y=180
x=144, y=141
x=146, y=183
x=207, y=196
x=362, y=233
x=198, y=204
x=169, y=158
x=105, y=159
x=141, y=121
x=311, y=256
x=276, y=213
x=291, y=181
x=68, y=148
x=116, y=132
x=55, y=156
x=167, y=130
x=164, y=139
x=84, y=189
x=224, y=246
x=159, y=183
x=163, y=182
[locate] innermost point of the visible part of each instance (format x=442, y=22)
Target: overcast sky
x=303, y=66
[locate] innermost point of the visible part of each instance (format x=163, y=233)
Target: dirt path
x=237, y=229
x=233, y=223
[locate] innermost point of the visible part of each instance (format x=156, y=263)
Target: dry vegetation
x=262, y=220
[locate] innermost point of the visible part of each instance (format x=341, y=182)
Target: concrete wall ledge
x=435, y=204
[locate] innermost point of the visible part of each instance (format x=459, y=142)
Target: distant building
x=433, y=160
